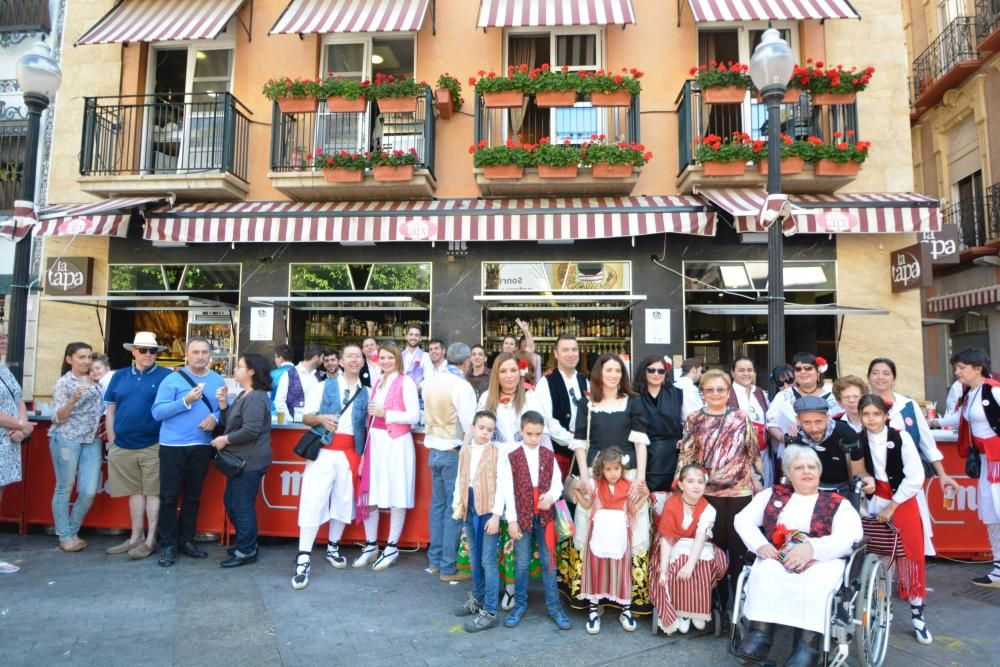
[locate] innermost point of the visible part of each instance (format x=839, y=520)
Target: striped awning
x=517, y=13
x=104, y=218
x=707, y=11
x=981, y=296
x=438, y=220
x=161, y=20
x=745, y=205
x=21, y=223
x=333, y=16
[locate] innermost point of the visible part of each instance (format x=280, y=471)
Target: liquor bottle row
x=328, y=325
x=546, y=348
x=544, y=327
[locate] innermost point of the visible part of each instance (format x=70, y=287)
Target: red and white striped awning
x=23, y=221
x=744, y=204
x=104, y=218
x=981, y=296
x=439, y=220
x=517, y=13
x=707, y=11
x=161, y=20
x=332, y=16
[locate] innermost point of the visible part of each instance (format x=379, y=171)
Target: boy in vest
x=530, y=479
x=338, y=410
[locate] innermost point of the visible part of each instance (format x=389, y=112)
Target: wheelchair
x=857, y=613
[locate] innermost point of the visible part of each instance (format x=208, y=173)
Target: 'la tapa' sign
x=67, y=276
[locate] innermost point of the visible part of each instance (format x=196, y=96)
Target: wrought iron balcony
x=988, y=24
x=13, y=147
x=977, y=220
x=949, y=60
x=23, y=16
x=198, y=142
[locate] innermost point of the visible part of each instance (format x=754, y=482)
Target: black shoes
x=239, y=561
x=757, y=644
x=168, y=555
x=192, y=550
x=806, y=652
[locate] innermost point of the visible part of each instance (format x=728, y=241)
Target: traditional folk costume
x=797, y=599
x=476, y=501
x=680, y=525
x=752, y=401
x=607, y=556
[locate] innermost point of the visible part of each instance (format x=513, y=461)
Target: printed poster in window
x=262, y=323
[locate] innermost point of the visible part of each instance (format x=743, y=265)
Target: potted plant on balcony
x=722, y=83
x=793, y=91
x=504, y=161
x=840, y=158
x=503, y=92
x=724, y=157
x=794, y=155
x=345, y=95
x=394, y=165
x=342, y=167
x=294, y=95
x=554, y=88
x=613, y=160
x=396, y=94
x=556, y=160
x=611, y=90
x=297, y=158
x=833, y=85
x=448, y=95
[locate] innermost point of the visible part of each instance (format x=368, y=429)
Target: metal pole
x=775, y=240
x=17, y=329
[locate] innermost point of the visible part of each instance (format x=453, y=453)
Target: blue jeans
x=240, y=499
x=76, y=463
x=485, y=570
x=445, y=531
x=522, y=556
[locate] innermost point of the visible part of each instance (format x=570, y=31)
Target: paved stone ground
x=94, y=609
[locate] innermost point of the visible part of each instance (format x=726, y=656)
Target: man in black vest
x=559, y=393
x=833, y=440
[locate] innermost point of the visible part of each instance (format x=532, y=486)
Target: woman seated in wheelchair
x=895, y=476
x=684, y=568
x=801, y=536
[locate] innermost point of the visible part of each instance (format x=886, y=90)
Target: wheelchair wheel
x=871, y=612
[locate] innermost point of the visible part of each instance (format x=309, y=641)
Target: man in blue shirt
x=133, y=442
x=188, y=410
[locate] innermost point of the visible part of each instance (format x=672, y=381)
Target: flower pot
x=555, y=98
x=792, y=96
x=297, y=104
x=826, y=99
x=337, y=104
x=789, y=166
x=508, y=171
x=507, y=99
x=734, y=168
x=397, y=104
x=384, y=173
x=831, y=168
x=619, y=98
x=341, y=175
x=546, y=171
x=605, y=170
x=443, y=98
x=296, y=160
x=727, y=95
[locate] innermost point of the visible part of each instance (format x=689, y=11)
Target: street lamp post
x=38, y=76
x=771, y=68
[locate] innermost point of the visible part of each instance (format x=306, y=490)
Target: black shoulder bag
x=219, y=428
x=311, y=442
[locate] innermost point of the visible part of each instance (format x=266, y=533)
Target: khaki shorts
x=134, y=472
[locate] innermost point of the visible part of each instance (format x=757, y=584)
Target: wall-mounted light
x=377, y=59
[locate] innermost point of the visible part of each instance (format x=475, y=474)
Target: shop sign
x=838, y=222
x=417, y=229
x=524, y=277
x=910, y=268
x=657, y=326
x=75, y=226
x=942, y=245
x=67, y=276
x=262, y=323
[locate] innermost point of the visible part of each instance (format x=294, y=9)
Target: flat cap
x=810, y=404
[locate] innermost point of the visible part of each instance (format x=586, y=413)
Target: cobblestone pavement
x=94, y=609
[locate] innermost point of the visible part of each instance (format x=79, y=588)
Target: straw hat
x=144, y=339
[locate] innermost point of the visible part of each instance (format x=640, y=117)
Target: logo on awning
x=417, y=229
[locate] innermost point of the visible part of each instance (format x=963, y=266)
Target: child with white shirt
x=531, y=482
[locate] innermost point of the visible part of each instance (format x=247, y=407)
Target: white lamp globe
x=772, y=62
x=38, y=73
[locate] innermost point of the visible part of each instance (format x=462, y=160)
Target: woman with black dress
x=661, y=402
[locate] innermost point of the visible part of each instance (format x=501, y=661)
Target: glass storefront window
x=361, y=277
x=818, y=276
x=320, y=277
x=174, y=278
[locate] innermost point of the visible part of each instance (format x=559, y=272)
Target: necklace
x=687, y=503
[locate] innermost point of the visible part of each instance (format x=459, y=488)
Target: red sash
x=911, y=570
x=343, y=442
x=990, y=447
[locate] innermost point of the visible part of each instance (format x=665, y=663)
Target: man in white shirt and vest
x=450, y=404
x=559, y=393
x=691, y=370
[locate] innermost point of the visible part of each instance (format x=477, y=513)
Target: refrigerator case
x=217, y=327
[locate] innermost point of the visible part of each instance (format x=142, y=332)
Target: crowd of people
x=637, y=494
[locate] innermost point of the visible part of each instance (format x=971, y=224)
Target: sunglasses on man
x=146, y=350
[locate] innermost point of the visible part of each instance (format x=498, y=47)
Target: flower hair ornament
x=522, y=365
x=821, y=365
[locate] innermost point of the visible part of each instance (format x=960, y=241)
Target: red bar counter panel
x=12, y=506
x=958, y=532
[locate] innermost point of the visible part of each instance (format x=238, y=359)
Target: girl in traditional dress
x=607, y=557
x=894, y=481
x=684, y=569
x=387, y=468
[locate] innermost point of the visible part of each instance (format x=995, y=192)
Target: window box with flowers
x=613, y=160
x=345, y=95
x=554, y=88
x=833, y=85
x=503, y=92
x=556, y=160
x=794, y=155
x=342, y=167
x=448, y=95
x=506, y=161
x=840, y=159
x=724, y=157
x=611, y=90
x=722, y=83
x=394, y=165
x=792, y=93
x=294, y=95
x=396, y=94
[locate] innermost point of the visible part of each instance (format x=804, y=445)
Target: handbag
x=569, y=489
x=882, y=539
x=228, y=463
x=219, y=429
x=311, y=442
x=973, y=464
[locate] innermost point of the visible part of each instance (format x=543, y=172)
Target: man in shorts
x=133, y=442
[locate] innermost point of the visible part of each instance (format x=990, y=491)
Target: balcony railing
x=13, y=146
x=24, y=16
x=992, y=197
x=977, y=220
x=799, y=120
x=954, y=46
x=987, y=22
x=296, y=135
x=182, y=133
